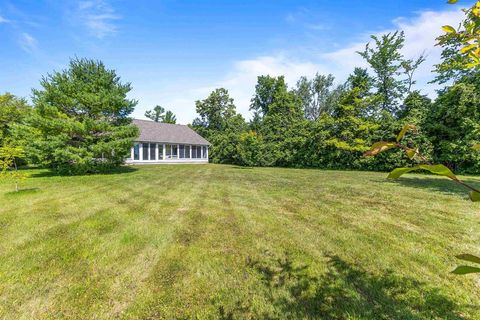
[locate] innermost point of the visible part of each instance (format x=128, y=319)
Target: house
x=167, y=143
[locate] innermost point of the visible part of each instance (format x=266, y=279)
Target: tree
x=12, y=111
x=415, y=110
x=453, y=125
x=317, y=95
x=410, y=66
x=214, y=112
x=361, y=80
x=220, y=124
x=157, y=114
x=264, y=91
x=250, y=149
x=280, y=125
x=349, y=126
x=169, y=117
x=80, y=123
x=362, y=83
x=388, y=63
x=8, y=164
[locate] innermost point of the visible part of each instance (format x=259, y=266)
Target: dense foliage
x=12, y=111
x=318, y=124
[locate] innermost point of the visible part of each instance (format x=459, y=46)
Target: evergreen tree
x=80, y=122
x=169, y=117
x=350, y=127
x=157, y=114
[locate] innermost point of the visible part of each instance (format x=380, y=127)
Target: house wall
x=158, y=152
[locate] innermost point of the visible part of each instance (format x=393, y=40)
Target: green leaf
x=468, y=48
x=468, y=257
x=452, y=1
x=448, y=29
x=379, y=147
x=411, y=153
x=476, y=147
x=398, y=172
x=439, y=169
x=404, y=131
x=466, y=270
x=474, y=196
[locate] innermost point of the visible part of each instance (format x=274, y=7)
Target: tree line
x=315, y=123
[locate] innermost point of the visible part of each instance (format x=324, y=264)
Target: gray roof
x=151, y=131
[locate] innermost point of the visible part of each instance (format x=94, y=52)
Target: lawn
x=223, y=242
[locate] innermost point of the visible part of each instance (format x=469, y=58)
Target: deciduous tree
x=13, y=111
x=317, y=95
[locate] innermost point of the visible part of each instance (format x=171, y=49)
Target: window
x=174, y=151
x=204, y=152
x=199, y=152
x=136, y=151
x=187, y=152
x=152, y=152
x=194, y=152
x=168, y=151
x=181, y=152
x=145, y=151
x=160, y=152
x=171, y=151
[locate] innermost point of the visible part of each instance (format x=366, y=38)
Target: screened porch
x=151, y=152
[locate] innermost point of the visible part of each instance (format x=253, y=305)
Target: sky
x=176, y=52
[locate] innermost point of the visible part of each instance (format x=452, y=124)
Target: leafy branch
x=468, y=34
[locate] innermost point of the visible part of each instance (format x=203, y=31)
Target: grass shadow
x=119, y=170
x=22, y=192
x=436, y=184
x=344, y=291
x=242, y=167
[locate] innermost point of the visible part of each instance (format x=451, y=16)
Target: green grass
x=211, y=241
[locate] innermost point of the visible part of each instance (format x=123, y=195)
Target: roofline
x=176, y=142
x=171, y=124
x=174, y=124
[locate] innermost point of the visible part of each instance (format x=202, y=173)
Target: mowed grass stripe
x=211, y=241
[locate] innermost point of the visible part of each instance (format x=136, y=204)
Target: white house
x=167, y=143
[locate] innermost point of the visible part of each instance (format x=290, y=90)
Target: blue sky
x=176, y=52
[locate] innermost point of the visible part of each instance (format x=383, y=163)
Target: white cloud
x=242, y=79
x=27, y=42
x=98, y=17
x=3, y=20
x=240, y=82
x=420, y=33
